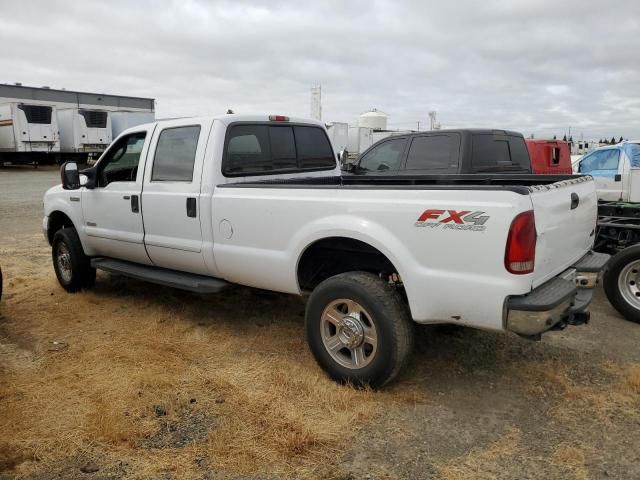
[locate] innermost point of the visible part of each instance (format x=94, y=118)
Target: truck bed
x=515, y=183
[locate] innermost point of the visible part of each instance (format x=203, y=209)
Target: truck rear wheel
x=359, y=329
x=71, y=265
x=622, y=283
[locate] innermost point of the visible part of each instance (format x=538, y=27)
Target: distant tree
x=621, y=140
x=613, y=141
x=600, y=141
x=564, y=139
x=571, y=140
x=554, y=137
x=605, y=141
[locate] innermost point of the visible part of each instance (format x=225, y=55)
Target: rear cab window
x=263, y=149
x=501, y=153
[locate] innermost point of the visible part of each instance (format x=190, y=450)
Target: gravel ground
x=472, y=404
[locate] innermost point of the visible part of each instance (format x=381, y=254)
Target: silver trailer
x=28, y=133
x=122, y=120
x=84, y=131
x=338, y=135
x=81, y=117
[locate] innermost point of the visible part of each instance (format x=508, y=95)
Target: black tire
x=615, y=268
x=79, y=273
x=387, y=311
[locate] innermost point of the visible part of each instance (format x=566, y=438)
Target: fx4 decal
x=453, y=220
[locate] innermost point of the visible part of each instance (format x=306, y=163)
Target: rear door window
x=499, y=153
x=434, y=153
x=260, y=149
x=175, y=154
x=385, y=157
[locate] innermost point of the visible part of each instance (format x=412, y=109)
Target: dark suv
x=445, y=152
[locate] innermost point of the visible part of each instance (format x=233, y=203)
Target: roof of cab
x=227, y=119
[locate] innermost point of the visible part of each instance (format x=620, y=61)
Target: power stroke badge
x=453, y=220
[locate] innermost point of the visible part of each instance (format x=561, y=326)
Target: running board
x=162, y=276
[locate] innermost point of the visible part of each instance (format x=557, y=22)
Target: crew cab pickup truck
x=202, y=203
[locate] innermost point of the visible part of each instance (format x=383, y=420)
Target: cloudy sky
x=535, y=66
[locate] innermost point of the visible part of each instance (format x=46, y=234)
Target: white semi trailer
x=28, y=133
x=84, y=133
x=122, y=120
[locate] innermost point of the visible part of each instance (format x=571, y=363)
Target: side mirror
x=345, y=164
x=70, y=176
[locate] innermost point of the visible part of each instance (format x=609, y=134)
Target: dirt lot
x=132, y=380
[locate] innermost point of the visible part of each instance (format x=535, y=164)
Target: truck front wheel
x=359, y=329
x=622, y=283
x=69, y=261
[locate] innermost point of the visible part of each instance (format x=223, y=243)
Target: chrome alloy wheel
x=63, y=259
x=628, y=284
x=348, y=333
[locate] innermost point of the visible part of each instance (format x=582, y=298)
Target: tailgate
x=565, y=215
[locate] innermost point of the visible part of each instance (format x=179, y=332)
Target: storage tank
x=374, y=119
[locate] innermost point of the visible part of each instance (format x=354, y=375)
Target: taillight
x=278, y=118
x=520, y=255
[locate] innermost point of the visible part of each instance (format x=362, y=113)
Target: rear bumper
x=563, y=300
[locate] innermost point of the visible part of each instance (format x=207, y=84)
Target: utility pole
x=418, y=129
x=432, y=120
x=316, y=102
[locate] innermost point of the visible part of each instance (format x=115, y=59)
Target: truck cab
x=460, y=151
x=616, y=170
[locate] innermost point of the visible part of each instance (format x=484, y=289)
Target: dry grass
x=482, y=463
x=572, y=459
x=272, y=409
x=611, y=400
x=235, y=379
x=633, y=380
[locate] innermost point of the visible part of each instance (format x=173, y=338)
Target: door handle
x=135, y=204
x=575, y=200
x=191, y=207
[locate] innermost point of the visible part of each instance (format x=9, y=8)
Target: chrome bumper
x=562, y=301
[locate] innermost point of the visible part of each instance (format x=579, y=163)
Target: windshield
x=601, y=162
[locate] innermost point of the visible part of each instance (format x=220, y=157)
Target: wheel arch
x=57, y=220
x=331, y=255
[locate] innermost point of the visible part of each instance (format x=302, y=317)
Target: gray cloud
x=535, y=66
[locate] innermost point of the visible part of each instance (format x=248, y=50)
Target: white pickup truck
x=202, y=203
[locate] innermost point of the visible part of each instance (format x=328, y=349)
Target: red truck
x=550, y=157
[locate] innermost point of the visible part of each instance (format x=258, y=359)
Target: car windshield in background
x=499, y=153
x=601, y=162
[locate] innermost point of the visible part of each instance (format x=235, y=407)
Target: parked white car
x=201, y=203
